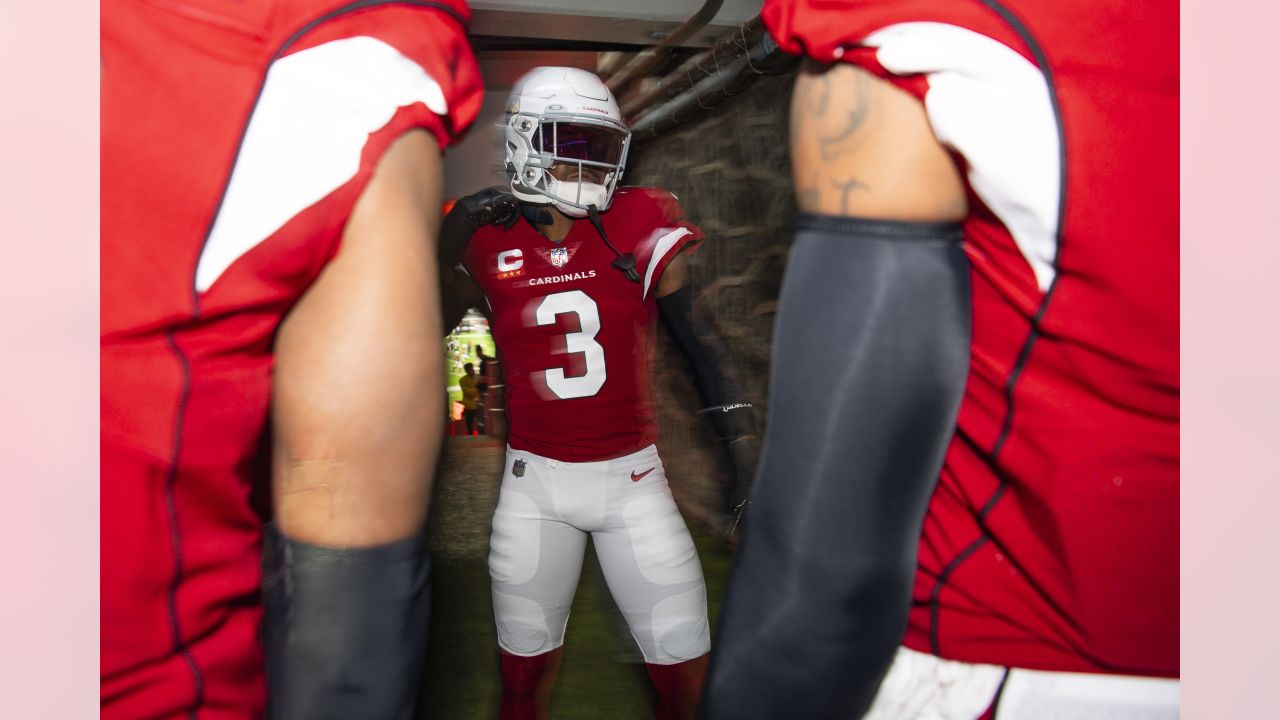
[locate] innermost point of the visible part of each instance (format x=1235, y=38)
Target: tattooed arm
x=862, y=147
x=878, y=284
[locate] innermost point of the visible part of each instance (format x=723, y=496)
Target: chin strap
x=536, y=214
x=625, y=263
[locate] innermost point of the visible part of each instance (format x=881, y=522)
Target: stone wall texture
x=730, y=168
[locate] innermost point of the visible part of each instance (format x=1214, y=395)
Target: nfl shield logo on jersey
x=517, y=468
x=560, y=255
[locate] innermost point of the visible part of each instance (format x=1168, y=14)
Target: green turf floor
x=602, y=676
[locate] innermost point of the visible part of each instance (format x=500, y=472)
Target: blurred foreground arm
x=870, y=357
x=357, y=428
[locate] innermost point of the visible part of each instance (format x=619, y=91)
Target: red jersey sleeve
x=417, y=56
x=829, y=31
x=670, y=235
x=279, y=112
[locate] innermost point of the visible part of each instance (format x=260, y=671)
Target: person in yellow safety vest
x=470, y=397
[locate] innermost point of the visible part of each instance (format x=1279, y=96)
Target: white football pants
x=921, y=686
x=545, y=510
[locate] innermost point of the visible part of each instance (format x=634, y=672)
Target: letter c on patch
x=509, y=260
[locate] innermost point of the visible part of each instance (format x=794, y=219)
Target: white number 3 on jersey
x=583, y=341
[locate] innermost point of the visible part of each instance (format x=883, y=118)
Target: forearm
x=356, y=430
x=855, y=443
x=722, y=400
x=871, y=352
x=356, y=418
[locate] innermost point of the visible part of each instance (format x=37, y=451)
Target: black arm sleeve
x=459, y=293
x=345, y=629
x=732, y=417
x=871, y=350
x=676, y=311
x=455, y=232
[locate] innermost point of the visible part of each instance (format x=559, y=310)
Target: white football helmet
x=564, y=116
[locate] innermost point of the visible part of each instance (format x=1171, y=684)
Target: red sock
x=679, y=688
x=526, y=684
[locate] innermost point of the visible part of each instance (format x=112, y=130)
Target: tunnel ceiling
x=595, y=23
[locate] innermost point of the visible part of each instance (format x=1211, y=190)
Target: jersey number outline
x=583, y=341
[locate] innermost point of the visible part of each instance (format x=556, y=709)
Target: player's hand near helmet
x=490, y=206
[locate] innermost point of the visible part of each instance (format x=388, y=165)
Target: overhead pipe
x=649, y=58
x=736, y=66
x=680, y=77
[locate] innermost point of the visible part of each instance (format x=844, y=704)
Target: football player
x=574, y=270
x=989, y=235
x=269, y=173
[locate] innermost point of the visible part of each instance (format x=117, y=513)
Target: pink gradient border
x=49, y=289
x=49, y=363
x=1230, y=342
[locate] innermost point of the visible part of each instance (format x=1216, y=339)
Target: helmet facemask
x=590, y=152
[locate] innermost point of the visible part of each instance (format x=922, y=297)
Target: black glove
x=491, y=206
x=735, y=425
x=744, y=458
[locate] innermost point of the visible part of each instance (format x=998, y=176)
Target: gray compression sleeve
x=345, y=629
x=870, y=354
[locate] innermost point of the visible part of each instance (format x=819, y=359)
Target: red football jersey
x=1052, y=539
x=236, y=138
x=575, y=335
